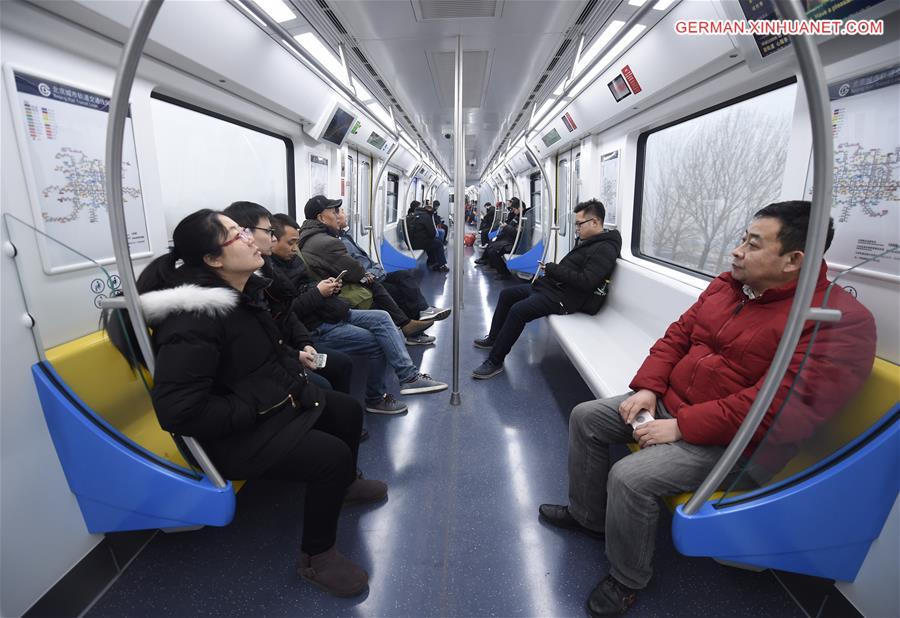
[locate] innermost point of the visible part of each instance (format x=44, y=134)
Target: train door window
x=390, y=206
x=318, y=175
x=363, y=195
x=536, y=206
x=206, y=159
x=562, y=194
x=349, y=206
x=701, y=179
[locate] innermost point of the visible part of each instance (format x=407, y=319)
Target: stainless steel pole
x=816, y=89
x=115, y=136
x=373, y=193
x=552, y=227
x=459, y=184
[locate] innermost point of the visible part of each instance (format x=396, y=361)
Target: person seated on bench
x=327, y=256
x=280, y=294
x=503, y=242
x=439, y=226
x=332, y=323
x=423, y=235
x=224, y=376
x=487, y=221
x=577, y=283
x=401, y=284
x=698, y=383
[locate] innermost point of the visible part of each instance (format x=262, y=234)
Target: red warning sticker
x=631, y=79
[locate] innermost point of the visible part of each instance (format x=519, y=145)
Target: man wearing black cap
x=326, y=254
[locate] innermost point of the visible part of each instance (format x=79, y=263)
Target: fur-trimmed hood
x=213, y=302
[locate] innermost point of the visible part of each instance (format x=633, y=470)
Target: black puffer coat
x=225, y=376
x=421, y=227
x=577, y=281
x=310, y=306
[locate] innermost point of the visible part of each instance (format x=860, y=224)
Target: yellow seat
x=98, y=374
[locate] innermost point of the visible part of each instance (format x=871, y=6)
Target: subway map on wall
x=866, y=198
x=62, y=138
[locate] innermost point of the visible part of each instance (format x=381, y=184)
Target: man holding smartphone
x=577, y=283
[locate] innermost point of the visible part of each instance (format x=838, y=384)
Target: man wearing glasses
x=576, y=284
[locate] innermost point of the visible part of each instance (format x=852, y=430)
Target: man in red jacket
x=695, y=388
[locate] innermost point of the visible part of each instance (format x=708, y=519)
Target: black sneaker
x=558, y=515
x=487, y=370
x=485, y=343
x=610, y=598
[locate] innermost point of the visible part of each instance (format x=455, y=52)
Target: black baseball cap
x=317, y=204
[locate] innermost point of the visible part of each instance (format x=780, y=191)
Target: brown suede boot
x=364, y=491
x=333, y=572
x=414, y=327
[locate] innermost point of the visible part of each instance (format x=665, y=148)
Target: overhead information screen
x=337, y=127
x=551, y=138
x=376, y=140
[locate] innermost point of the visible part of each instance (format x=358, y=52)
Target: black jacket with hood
x=578, y=282
x=309, y=305
x=421, y=226
x=226, y=376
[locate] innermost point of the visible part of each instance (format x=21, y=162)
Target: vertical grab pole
x=459, y=186
x=373, y=245
x=115, y=137
x=405, y=199
x=552, y=227
x=823, y=173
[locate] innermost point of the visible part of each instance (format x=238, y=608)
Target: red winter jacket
x=710, y=364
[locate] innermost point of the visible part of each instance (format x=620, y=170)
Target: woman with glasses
x=225, y=376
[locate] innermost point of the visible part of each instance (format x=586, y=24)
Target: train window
x=318, y=175
x=209, y=160
x=562, y=195
x=700, y=179
x=393, y=185
x=536, y=196
x=362, y=196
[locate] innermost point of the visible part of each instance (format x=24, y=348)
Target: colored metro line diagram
x=865, y=180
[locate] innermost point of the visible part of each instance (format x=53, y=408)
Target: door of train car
x=568, y=192
x=359, y=185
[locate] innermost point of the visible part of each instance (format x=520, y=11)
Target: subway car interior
x=491, y=128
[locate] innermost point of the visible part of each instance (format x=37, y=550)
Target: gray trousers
x=623, y=500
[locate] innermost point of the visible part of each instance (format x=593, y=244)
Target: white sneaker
x=422, y=383
x=420, y=339
x=434, y=313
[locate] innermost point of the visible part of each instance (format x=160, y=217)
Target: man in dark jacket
x=503, y=243
x=326, y=255
x=423, y=235
x=577, y=283
x=694, y=390
x=487, y=222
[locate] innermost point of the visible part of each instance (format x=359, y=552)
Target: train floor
x=459, y=534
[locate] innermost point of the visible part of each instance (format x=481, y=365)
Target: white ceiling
x=413, y=52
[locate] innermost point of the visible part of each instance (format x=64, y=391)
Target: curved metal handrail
x=115, y=136
x=514, y=190
x=373, y=193
x=405, y=200
x=816, y=89
x=552, y=227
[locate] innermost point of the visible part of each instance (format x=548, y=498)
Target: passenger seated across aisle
x=487, y=221
x=225, y=376
x=401, y=284
x=577, y=283
x=503, y=242
x=323, y=252
x=331, y=322
x=699, y=382
x=423, y=235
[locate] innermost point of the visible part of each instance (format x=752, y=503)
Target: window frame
x=393, y=180
x=288, y=142
x=637, y=213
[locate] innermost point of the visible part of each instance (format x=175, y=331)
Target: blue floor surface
x=459, y=534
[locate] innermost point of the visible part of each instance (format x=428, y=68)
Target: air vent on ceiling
x=456, y=9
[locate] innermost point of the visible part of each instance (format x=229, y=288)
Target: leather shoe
x=610, y=598
x=558, y=515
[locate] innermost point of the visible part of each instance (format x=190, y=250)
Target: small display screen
x=551, y=138
x=376, y=140
x=338, y=126
x=619, y=88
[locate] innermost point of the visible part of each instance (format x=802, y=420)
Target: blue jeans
x=372, y=334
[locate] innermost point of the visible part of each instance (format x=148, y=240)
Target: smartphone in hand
x=320, y=360
x=340, y=277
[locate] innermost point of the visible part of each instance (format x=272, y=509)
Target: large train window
x=535, y=180
x=700, y=179
x=363, y=193
x=350, y=193
x=208, y=160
